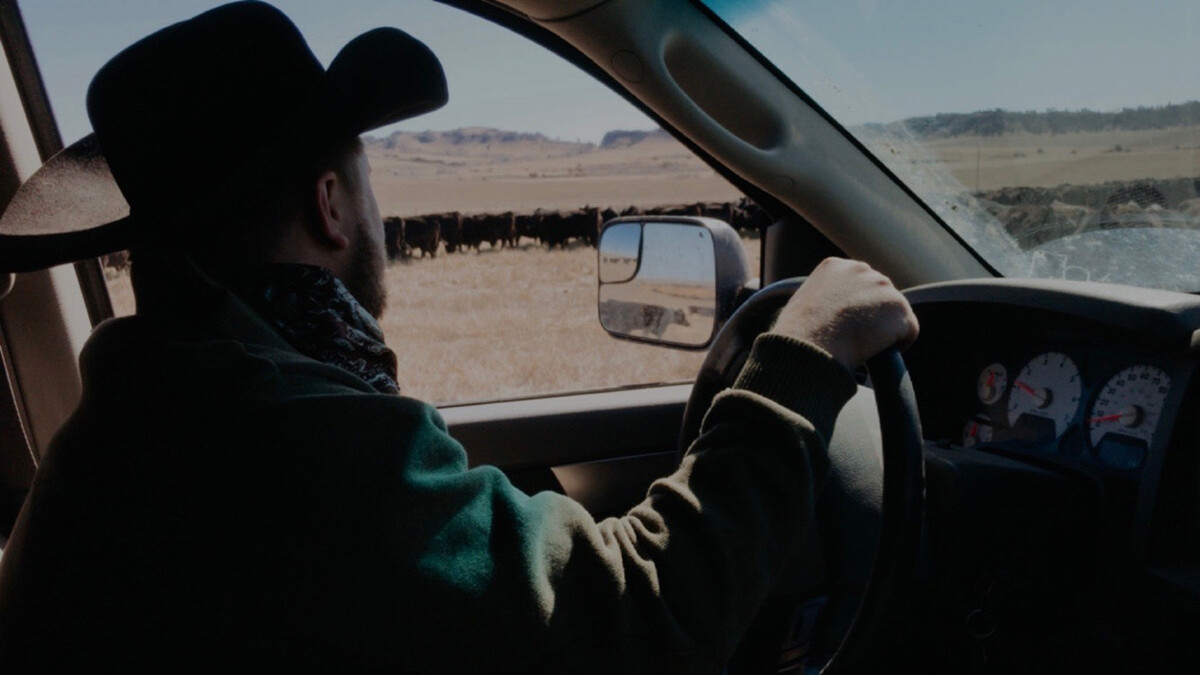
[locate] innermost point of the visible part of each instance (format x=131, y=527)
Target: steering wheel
x=902, y=507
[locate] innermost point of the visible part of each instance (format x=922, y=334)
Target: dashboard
x=1062, y=467
x=1050, y=388
x=1086, y=376
x=1093, y=382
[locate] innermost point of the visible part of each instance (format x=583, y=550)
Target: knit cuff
x=800, y=376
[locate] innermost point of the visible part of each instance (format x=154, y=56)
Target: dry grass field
x=1043, y=160
x=512, y=323
x=505, y=323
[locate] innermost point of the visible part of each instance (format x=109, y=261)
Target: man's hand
x=849, y=310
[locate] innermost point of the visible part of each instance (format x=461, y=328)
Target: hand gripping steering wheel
x=902, y=506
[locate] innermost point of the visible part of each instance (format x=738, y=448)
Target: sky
x=496, y=78
x=863, y=60
x=881, y=61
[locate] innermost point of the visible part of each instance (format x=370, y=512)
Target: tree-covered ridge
x=998, y=122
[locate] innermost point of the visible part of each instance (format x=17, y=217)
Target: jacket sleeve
x=424, y=565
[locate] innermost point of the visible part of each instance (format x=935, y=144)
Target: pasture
x=505, y=323
x=983, y=164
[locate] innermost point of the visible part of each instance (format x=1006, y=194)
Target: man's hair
x=244, y=224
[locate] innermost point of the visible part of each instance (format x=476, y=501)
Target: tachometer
x=1046, y=394
x=1125, y=415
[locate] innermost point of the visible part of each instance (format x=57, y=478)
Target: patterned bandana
x=315, y=313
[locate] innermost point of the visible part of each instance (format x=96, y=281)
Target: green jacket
x=219, y=499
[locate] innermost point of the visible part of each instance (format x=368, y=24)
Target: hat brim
x=382, y=77
x=71, y=208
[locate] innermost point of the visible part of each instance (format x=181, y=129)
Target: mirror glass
x=619, y=251
x=668, y=293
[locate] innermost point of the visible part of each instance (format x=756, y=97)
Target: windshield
x=1058, y=140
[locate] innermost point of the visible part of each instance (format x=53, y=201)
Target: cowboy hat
x=235, y=91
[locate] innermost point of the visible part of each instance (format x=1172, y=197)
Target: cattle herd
x=457, y=233
x=424, y=235
x=1031, y=215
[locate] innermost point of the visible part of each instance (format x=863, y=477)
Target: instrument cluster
x=1110, y=414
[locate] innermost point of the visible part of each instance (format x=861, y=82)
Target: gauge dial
x=992, y=382
x=977, y=431
x=1047, y=388
x=1129, y=404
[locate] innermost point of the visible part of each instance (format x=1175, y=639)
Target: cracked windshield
x=1059, y=140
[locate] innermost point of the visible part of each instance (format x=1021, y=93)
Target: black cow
x=450, y=227
x=471, y=233
x=747, y=215
x=501, y=228
x=393, y=237
x=584, y=225
x=421, y=235
x=552, y=228
x=528, y=225
x=496, y=230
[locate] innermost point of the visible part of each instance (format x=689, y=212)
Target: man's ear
x=332, y=226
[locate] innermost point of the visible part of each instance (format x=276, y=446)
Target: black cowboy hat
x=235, y=91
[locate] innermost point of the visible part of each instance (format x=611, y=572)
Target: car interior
x=1028, y=535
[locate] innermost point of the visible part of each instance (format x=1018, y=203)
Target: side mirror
x=669, y=280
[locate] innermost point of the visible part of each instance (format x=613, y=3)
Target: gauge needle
x=1029, y=390
x=1131, y=417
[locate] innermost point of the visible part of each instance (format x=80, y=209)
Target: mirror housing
x=669, y=280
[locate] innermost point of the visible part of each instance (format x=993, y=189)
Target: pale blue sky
x=881, y=60
x=496, y=78
x=865, y=60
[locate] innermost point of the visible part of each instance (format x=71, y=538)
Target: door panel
x=601, y=448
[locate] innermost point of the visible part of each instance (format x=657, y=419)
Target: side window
x=491, y=210
x=492, y=286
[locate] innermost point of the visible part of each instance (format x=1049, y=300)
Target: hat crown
x=195, y=100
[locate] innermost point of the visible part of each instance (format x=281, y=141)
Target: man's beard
x=364, y=279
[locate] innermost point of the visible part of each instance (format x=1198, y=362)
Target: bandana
x=318, y=316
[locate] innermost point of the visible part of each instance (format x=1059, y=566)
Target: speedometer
x=1125, y=415
x=1045, y=396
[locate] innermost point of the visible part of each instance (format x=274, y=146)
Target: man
x=241, y=484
